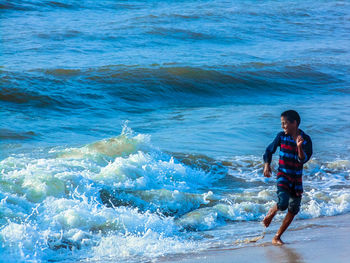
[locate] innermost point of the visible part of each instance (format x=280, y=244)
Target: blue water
x=170, y=104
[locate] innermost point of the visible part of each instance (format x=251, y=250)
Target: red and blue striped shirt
x=290, y=167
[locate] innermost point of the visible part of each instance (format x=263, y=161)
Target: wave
x=44, y=5
x=6, y=134
x=29, y=89
x=35, y=5
x=159, y=85
x=25, y=96
x=133, y=170
x=180, y=34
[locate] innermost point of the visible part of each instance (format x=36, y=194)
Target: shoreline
x=325, y=239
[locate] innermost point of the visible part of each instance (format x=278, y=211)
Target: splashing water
x=122, y=198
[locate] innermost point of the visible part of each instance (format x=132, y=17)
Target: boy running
x=295, y=150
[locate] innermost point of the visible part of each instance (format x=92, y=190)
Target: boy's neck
x=295, y=133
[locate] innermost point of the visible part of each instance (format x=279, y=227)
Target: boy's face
x=287, y=126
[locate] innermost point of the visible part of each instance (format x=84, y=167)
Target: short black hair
x=291, y=116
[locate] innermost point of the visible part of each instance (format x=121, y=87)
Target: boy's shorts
x=288, y=200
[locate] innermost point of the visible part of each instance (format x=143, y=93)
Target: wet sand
x=315, y=240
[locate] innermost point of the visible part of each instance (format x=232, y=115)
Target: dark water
x=198, y=87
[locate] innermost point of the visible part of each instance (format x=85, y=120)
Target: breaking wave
x=155, y=86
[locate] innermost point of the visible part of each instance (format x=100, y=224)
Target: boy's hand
x=267, y=170
x=300, y=141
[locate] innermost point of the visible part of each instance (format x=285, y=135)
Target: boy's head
x=290, y=121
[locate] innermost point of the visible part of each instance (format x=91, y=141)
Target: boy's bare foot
x=277, y=241
x=267, y=220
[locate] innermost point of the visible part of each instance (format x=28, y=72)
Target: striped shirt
x=290, y=167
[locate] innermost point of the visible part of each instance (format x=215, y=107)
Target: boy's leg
x=270, y=215
x=282, y=204
x=285, y=224
x=293, y=209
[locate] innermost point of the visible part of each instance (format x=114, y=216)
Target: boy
x=295, y=150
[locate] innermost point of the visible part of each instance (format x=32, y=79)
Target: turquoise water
x=169, y=106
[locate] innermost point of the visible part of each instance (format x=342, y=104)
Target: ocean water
x=165, y=108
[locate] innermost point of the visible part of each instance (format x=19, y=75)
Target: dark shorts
x=288, y=200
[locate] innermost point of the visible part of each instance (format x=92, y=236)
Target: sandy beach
x=316, y=240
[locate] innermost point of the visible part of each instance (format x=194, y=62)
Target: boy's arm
x=267, y=170
x=304, y=147
x=270, y=150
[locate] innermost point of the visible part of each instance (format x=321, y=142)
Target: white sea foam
x=144, y=246
x=123, y=145
x=144, y=171
x=318, y=203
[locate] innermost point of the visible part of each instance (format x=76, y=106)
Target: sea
x=133, y=131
